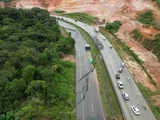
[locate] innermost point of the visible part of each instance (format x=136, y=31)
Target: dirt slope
x=123, y=10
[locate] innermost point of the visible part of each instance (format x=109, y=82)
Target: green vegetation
x=147, y=93
x=153, y=45
x=137, y=34
x=59, y=11
x=158, y=2
x=35, y=82
x=113, y=27
x=115, y=106
x=83, y=17
x=147, y=19
x=64, y=32
x=6, y=1
x=123, y=49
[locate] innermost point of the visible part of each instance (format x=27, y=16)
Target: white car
x=96, y=29
x=125, y=96
x=122, y=64
x=135, y=110
x=120, y=70
x=120, y=84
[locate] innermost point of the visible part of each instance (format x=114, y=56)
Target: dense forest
x=35, y=82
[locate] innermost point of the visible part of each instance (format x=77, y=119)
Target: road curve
x=91, y=107
x=113, y=62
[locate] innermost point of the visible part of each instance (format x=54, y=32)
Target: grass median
x=115, y=106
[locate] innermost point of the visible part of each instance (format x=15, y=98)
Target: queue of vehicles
x=124, y=94
x=120, y=84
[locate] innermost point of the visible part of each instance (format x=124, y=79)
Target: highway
x=91, y=107
x=113, y=62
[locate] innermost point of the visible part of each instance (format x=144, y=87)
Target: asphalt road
x=91, y=107
x=112, y=62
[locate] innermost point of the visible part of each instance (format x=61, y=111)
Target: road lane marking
x=91, y=100
x=82, y=104
x=81, y=89
x=86, y=70
x=99, y=98
x=92, y=107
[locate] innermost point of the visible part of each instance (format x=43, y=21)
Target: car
x=96, y=29
x=87, y=46
x=110, y=47
x=125, y=95
x=135, y=110
x=120, y=84
x=75, y=20
x=117, y=76
x=122, y=64
x=120, y=70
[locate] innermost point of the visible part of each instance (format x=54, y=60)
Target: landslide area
x=123, y=10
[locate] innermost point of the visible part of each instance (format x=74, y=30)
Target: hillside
x=125, y=11
x=36, y=81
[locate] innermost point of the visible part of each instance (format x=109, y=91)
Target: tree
x=17, y=88
x=33, y=77
x=37, y=89
x=2, y=117
x=28, y=73
x=65, y=45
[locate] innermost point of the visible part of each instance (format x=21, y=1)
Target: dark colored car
x=117, y=76
x=87, y=46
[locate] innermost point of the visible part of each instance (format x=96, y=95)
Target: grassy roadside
x=115, y=106
x=122, y=49
x=83, y=17
x=64, y=31
x=59, y=11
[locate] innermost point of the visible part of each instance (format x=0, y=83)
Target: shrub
x=148, y=19
x=59, y=11
x=136, y=34
x=113, y=27
x=153, y=45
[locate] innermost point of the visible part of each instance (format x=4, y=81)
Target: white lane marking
x=86, y=70
x=91, y=101
x=82, y=103
x=92, y=107
x=81, y=88
x=99, y=96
